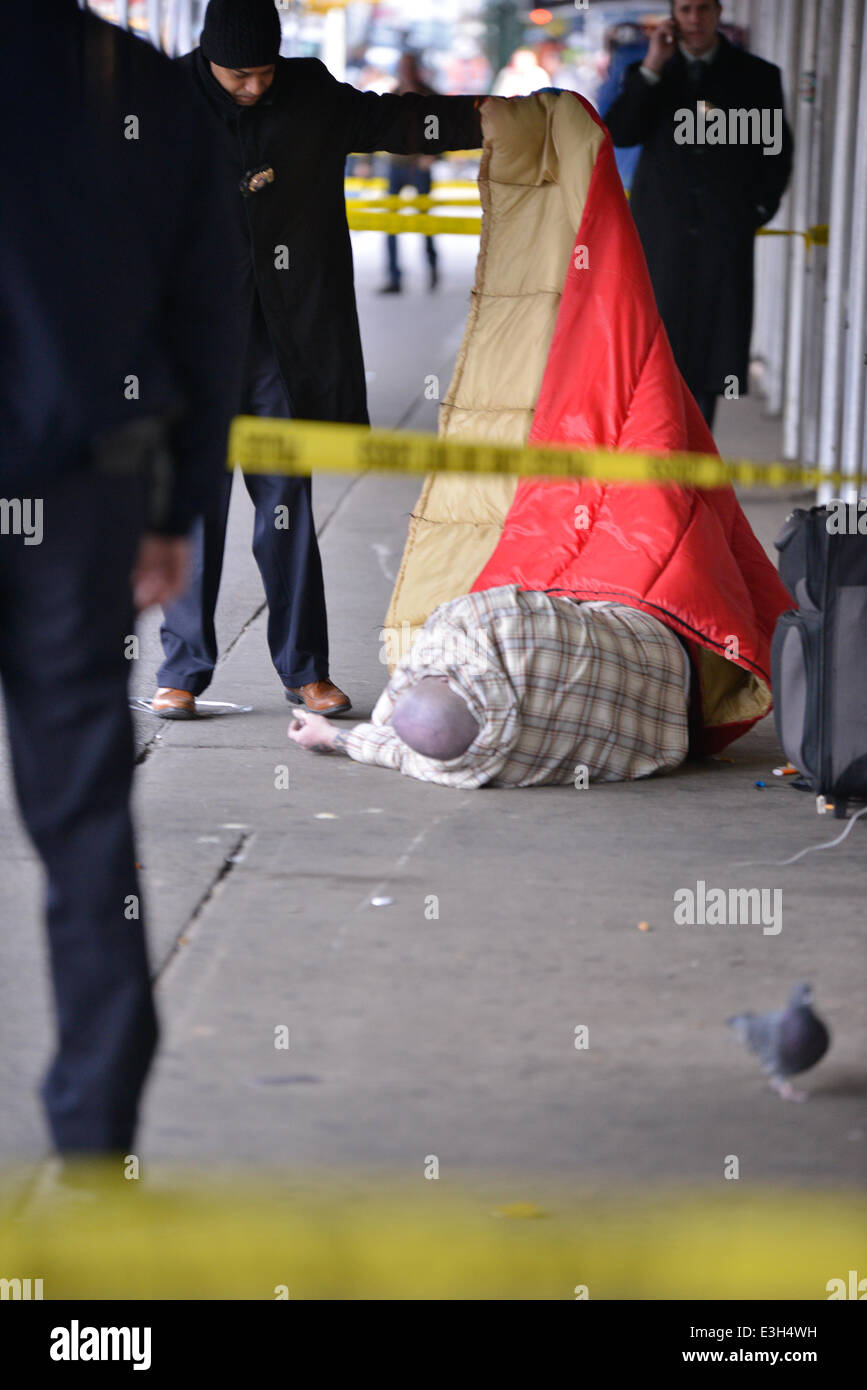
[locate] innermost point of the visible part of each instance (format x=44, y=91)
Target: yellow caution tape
x=421, y=224
x=367, y=220
x=394, y=202
x=813, y=236
x=359, y=1239
x=354, y=184
x=263, y=445
x=363, y=215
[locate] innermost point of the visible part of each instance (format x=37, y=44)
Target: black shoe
x=391, y=288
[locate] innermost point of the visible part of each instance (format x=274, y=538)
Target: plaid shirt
x=555, y=685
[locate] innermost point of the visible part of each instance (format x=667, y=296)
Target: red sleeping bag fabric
x=686, y=555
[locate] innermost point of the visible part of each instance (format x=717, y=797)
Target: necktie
x=695, y=70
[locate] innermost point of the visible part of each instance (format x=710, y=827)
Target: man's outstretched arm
x=411, y=123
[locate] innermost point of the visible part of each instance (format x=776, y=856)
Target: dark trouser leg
x=65, y=612
x=188, y=634
x=391, y=256
x=287, y=550
x=396, y=181
x=291, y=570
x=706, y=402
x=423, y=184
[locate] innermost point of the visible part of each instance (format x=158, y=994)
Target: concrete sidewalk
x=454, y=1036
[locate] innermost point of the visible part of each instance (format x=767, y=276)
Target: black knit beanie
x=241, y=33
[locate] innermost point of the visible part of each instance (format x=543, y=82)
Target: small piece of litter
x=644, y=926
x=759, y=784
x=326, y=815
x=724, y=760
x=787, y=771
x=520, y=1211
x=381, y=902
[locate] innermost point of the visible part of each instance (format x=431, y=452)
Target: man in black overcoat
x=285, y=127
x=698, y=204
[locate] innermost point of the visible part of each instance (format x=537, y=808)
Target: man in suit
x=706, y=180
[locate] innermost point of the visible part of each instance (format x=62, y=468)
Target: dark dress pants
x=288, y=561
x=65, y=617
x=399, y=176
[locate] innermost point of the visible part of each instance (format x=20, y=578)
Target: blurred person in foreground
x=118, y=367
x=709, y=175
x=283, y=128
x=413, y=171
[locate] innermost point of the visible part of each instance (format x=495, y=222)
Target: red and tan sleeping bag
x=564, y=343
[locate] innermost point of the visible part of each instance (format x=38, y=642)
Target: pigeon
x=786, y=1042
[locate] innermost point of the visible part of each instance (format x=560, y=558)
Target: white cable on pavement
x=781, y=863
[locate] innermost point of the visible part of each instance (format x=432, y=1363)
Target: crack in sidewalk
x=236, y=855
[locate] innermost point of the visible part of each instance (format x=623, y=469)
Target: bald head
x=434, y=721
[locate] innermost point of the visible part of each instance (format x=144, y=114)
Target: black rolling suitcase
x=819, y=650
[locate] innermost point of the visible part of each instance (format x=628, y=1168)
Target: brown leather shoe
x=174, y=704
x=322, y=697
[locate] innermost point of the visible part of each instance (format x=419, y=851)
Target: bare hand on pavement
x=311, y=730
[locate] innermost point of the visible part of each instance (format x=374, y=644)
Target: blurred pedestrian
x=625, y=44
x=118, y=363
x=716, y=158
x=284, y=127
x=409, y=171
x=521, y=76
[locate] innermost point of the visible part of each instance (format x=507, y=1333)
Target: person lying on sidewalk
x=560, y=691
x=512, y=688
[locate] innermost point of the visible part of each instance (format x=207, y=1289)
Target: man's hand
x=161, y=570
x=662, y=45
x=311, y=730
